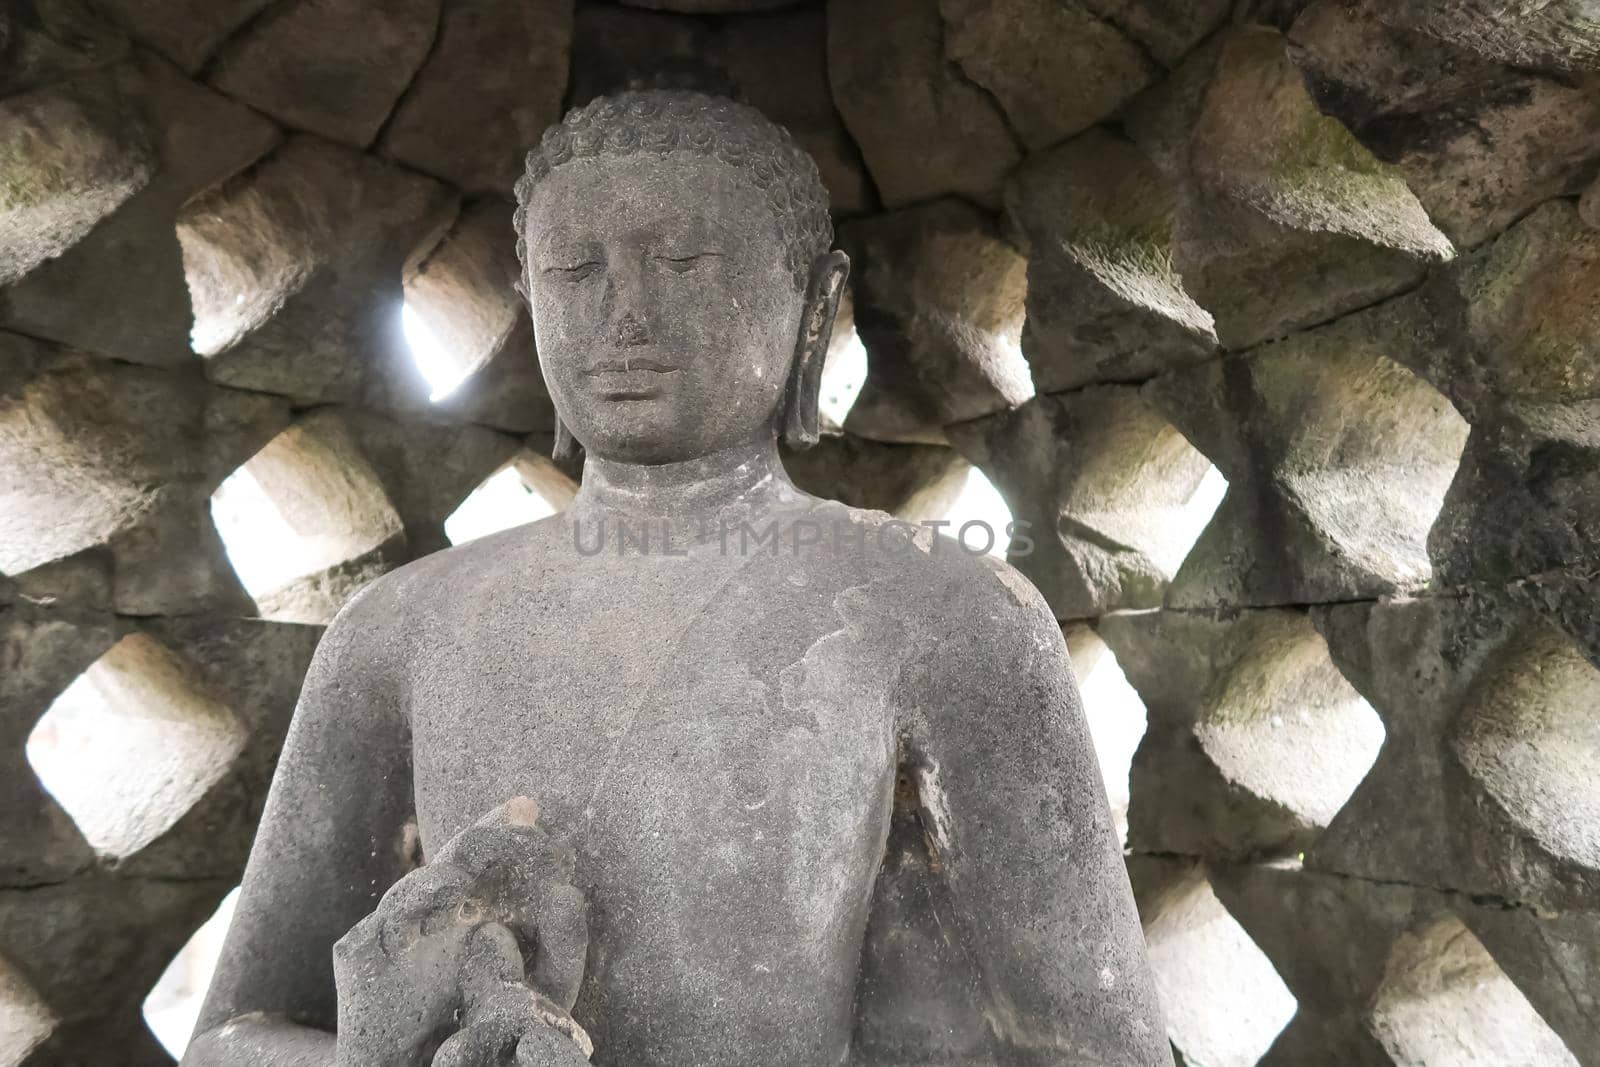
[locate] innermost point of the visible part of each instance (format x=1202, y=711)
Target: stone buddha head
x=675, y=252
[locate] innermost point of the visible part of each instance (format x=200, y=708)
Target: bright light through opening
x=1191, y=521
x=501, y=502
x=443, y=372
x=979, y=502
x=842, y=378
x=173, y=1006
x=1117, y=722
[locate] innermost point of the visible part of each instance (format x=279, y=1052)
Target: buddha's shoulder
x=459, y=577
x=940, y=586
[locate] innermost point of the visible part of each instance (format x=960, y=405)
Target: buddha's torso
x=716, y=736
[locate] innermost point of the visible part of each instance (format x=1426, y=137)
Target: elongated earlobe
x=828, y=274
x=566, y=447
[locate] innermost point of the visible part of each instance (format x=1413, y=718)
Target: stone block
x=1104, y=301
x=939, y=303
x=119, y=291
x=188, y=32
x=295, y=269
x=1483, y=785
x=1107, y=488
x=1284, y=219
x=912, y=482
x=330, y=67
x=924, y=129
x=1254, y=741
x=493, y=81
x=1479, y=142
x=1337, y=459
x=1055, y=67
x=110, y=464
x=1168, y=29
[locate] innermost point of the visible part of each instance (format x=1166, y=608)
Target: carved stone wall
x=1342, y=256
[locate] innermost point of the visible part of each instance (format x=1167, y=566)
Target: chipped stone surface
x=1255, y=740
x=924, y=129
x=1168, y=29
x=1054, y=67
x=1104, y=301
x=329, y=67
x=1557, y=35
x=491, y=83
x=939, y=304
x=188, y=32
x=74, y=155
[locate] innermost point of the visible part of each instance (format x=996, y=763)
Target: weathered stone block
x=1105, y=486
x=1104, y=302
x=1285, y=220
x=295, y=270
x=1055, y=67
x=1254, y=742
x=492, y=82
x=924, y=129
x=912, y=482
x=330, y=67
x=120, y=290
x=1337, y=460
x=939, y=303
x=1478, y=142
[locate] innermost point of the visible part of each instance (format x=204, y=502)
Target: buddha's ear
x=828, y=274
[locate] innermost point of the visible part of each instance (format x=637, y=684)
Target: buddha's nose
x=630, y=331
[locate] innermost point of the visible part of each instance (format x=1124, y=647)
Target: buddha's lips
x=625, y=366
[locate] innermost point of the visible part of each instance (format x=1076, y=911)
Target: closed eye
x=681, y=264
x=576, y=271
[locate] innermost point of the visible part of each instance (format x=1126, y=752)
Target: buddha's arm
x=1014, y=803
x=330, y=843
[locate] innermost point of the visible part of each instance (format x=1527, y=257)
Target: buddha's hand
x=486, y=943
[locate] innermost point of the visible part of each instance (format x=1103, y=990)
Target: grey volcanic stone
x=939, y=305
x=493, y=81
x=1489, y=711
x=1337, y=459
x=924, y=129
x=778, y=63
x=187, y=32
x=1054, y=67
x=1557, y=35
x=914, y=482
x=120, y=290
x=295, y=270
x=1103, y=482
x=1104, y=302
x=330, y=67
x=1284, y=219
x=1167, y=28
x=1478, y=142
x=74, y=154
x=716, y=738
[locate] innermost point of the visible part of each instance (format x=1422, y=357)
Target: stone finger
x=561, y=944
x=487, y=1042
x=491, y=958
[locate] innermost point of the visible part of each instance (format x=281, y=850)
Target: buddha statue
x=705, y=770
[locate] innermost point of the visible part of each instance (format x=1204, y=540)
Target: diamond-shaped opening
x=1117, y=717
x=1189, y=521
x=1223, y=1000
x=842, y=377
x=1444, y=1000
x=1530, y=737
x=305, y=505
x=979, y=518
x=526, y=489
x=25, y=1019
x=173, y=1006
x=132, y=744
x=1282, y=723
x=460, y=304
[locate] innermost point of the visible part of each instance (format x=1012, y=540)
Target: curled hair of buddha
x=664, y=121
